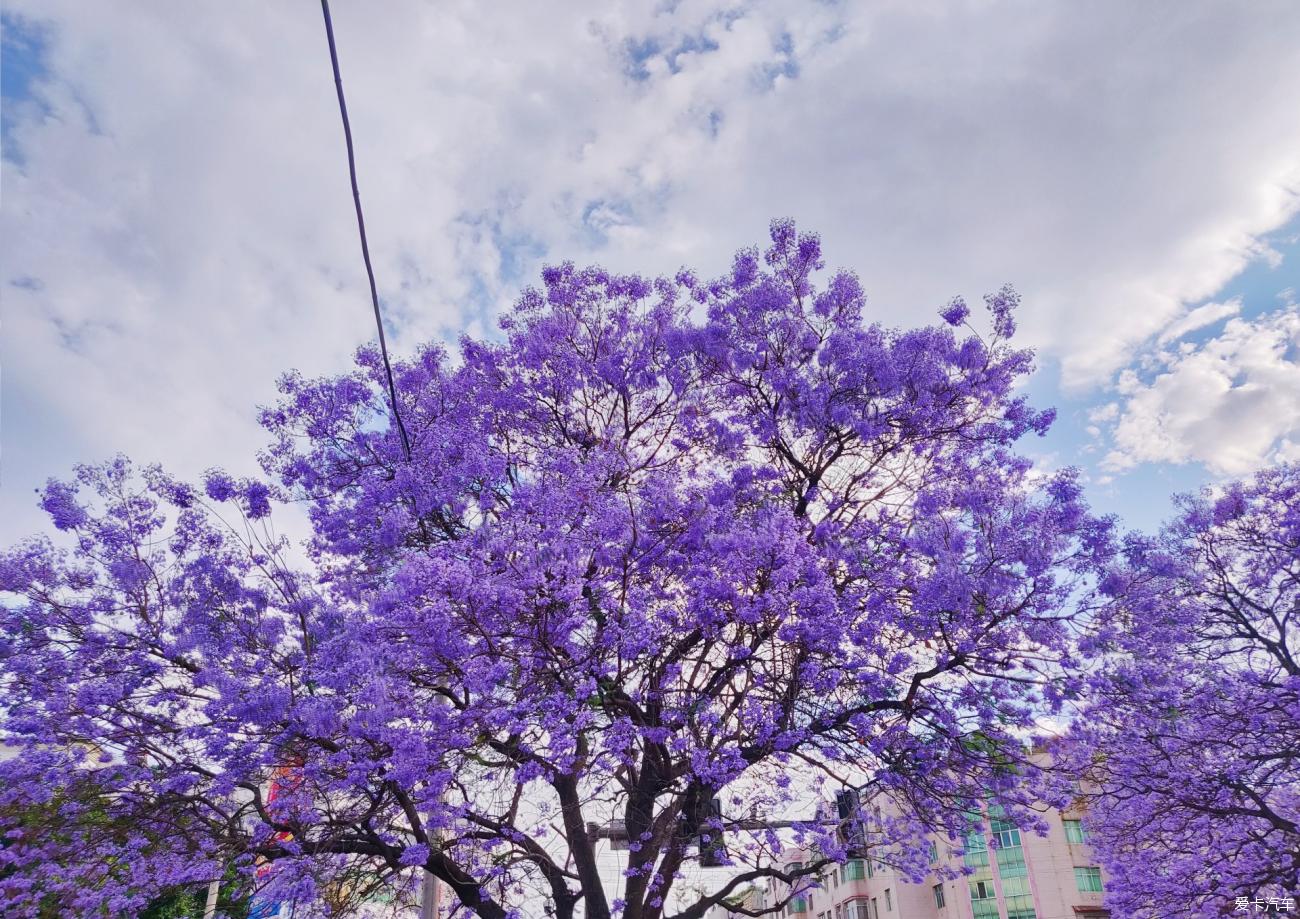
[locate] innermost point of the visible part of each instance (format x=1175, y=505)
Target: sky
x=176, y=226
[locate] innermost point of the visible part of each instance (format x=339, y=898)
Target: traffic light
x=851, y=833
x=713, y=847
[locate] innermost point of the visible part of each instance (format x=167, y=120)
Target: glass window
x=1011, y=862
x=875, y=909
x=934, y=852
x=981, y=890
x=889, y=901
x=938, y=896
x=1015, y=886
x=854, y=870
x=1088, y=880
x=1005, y=833
x=1074, y=831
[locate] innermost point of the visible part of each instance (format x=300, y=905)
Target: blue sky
x=178, y=226
x=1141, y=496
x=22, y=61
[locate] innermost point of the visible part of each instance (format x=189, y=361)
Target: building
x=752, y=897
x=1013, y=875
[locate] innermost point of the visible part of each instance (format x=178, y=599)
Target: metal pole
x=210, y=910
x=429, y=897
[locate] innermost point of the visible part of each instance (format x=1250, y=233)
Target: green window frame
x=939, y=901
x=1088, y=879
x=854, y=870
x=1075, y=832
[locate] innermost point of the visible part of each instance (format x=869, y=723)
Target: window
x=1005, y=833
x=875, y=909
x=889, y=901
x=1074, y=831
x=982, y=890
x=797, y=905
x=938, y=896
x=839, y=911
x=854, y=870
x=857, y=909
x=1088, y=880
x=934, y=852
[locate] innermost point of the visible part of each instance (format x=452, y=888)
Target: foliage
x=667, y=543
x=1193, y=734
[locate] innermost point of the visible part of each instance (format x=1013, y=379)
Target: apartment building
x=1012, y=875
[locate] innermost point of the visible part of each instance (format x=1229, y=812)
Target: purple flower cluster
x=1191, y=738
x=661, y=539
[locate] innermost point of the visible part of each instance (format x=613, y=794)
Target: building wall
x=1023, y=876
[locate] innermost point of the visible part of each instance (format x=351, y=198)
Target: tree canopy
x=667, y=552
x=1192, y=732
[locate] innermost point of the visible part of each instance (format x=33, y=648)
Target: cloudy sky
x=177, y=225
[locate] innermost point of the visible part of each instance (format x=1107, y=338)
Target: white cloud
x=1232, y=403
x=1198, y=318
x=183, y=202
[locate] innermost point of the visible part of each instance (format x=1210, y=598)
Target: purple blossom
x=219, y=486
x=955, y=312
x=659, y=543
x=1192, y=739
x=59, y=500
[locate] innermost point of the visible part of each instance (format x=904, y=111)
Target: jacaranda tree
x=1193, y=737
x=667, y=557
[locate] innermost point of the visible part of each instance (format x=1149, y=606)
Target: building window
x=875, y=909
x=889, y=901
x=854, y=870
x=1088, y=880
x=1005, y=833
x=982, y=890
x=939, y=901
x=934, y=852
x=1074, y=831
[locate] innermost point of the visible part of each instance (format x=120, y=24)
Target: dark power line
x=361, y=228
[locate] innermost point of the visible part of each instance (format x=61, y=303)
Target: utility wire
x=361, y=228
